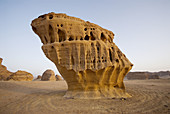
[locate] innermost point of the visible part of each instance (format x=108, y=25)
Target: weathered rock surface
x=142, y=75
x=48, y=75
x=58, y=78
x=4, y=73
x=20, y=76
x=85, y=55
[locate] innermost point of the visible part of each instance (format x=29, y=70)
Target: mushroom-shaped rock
x=21, y=76
x=48, y=75
x=58, y=78
x=85, y=55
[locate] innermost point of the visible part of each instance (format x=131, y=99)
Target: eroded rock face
x=4, y=73
x=48, y=75
x=85, y=55
x=21, y=76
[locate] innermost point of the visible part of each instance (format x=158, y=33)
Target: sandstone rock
x=141, y=76
x=85, y=55
x=21, y=76
x=58, y=78
x=38, y=77
x=4, y=73
x=48, y=75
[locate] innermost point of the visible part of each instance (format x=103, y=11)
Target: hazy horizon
x=141, y=31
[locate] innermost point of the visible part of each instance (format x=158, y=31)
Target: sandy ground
x=44, y=97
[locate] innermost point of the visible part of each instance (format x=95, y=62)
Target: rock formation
x=4, y=73
x=21, y=76
x=58, y=78
x=142, y=75
x=38, y=77
x=48, y=75
x=17, y=76
x=85, y=55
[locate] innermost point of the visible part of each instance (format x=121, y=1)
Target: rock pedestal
x=85, y=55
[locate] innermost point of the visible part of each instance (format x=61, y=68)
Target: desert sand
x=46, y=97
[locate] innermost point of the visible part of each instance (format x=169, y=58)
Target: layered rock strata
x=85, y=55
x=20, y=76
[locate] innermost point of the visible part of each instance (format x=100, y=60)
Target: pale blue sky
x=141, y=28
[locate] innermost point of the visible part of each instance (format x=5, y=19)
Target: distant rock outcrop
x=48, y=75
x=21, y=76
x=38, y=77
x=58, y=78
x=4, y=73
x=141, y=75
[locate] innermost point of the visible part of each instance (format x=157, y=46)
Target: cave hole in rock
x=72, y=60
x=81, y=38
x=61, y=25
x=85, y=29
x=94, y=61
x=98, y=49
x=92, y=37
x=51, y=16
x=61, y=35
x=51, y=34
x=110, y=54
x=70, y=39
x=103, y=38
x=117, y=60
x=86, y=37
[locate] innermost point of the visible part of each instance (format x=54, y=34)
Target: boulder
x=58, y=78
x=4, y=73
x=48, y=75
x=85, y=55
x=20, y=76
x=39, y=77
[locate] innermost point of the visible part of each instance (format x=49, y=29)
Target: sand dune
x=42, y=97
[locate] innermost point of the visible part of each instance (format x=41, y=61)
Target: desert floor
x=45, y=97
